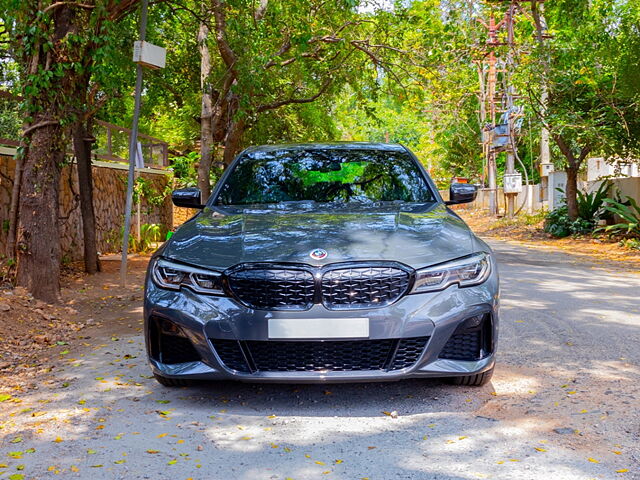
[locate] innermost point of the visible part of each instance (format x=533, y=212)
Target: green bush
x=591, y=208
x=558, y=224
x=590, y=204
x=629, y=211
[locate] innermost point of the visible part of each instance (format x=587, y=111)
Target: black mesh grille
x=282, y=289
x=175, y=349
x=409, y=350
x=463, y=346
x=231, y=354
x=363, y=287
x=315, y=356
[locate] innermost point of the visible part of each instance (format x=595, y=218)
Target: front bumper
x=202, y=319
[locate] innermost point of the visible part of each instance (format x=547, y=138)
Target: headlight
x=466, y=272
x=174, y=275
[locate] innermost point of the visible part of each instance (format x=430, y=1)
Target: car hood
x=417, y=236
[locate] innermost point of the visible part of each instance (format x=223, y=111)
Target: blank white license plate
x=299, y=328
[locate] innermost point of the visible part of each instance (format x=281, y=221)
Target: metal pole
x=132, y=152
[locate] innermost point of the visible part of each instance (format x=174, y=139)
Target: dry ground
x=562, y=404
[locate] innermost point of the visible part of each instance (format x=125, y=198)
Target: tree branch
x=69, y=4
x=226, y=52
x=45, y=123
x=289, y=101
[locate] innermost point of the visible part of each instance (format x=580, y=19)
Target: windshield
x=325, y=175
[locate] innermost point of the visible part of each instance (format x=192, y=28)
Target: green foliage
x=629, y=212
x=591, y=208
x=630, y=243
x=150, y=233
x=590, y=204
x=184, y=169
x=10, y=121
x=558, y=224
x=143, y=188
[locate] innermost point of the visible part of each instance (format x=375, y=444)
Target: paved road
x=563, y=403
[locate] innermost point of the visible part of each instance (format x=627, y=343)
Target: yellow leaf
x=273, y=445
x=541, y=449
x=287, y=449
x=584, y=411
x=153, y=451
x=120, y=462
x=58, y=440
x=307, y=455
x=462, y=438
x=246, y=437
x=500, y=462
x=162, y=435
x=593, y=460
x=74, y=468
x=617, y=452
x=271, y=416
x=318, y=462
x=180, y=441
x=338, y=462
x=622, y=470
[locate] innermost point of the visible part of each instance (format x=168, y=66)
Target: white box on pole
x=512, y=183
x=149, y=55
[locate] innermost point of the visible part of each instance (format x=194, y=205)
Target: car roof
x=385, y=147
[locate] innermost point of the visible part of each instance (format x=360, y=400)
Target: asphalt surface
x=563, y=404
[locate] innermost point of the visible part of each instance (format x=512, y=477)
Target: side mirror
x=461, y=193
x=187, y=198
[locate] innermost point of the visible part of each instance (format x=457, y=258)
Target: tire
x=172, y=382
x=476, y=380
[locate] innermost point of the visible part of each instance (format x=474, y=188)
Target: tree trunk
x=14, y=207
x=571, y=191
x=206, y=130
x=82, y=149
x=38, y=244
x=232, y=142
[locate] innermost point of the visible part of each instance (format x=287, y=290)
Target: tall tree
x=51, y=41
x=588, y=111
x=275, y=55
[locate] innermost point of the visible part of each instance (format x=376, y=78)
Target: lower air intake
x=320, y=356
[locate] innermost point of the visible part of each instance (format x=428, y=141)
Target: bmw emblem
x=318, y=254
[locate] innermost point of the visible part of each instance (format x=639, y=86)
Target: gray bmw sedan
x=331, y=262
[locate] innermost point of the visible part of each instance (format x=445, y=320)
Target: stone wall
x=181, y=215
x=110, y=185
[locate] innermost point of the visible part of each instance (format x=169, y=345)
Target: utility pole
x=144, y=54
x=537, y=12
x=500, y=136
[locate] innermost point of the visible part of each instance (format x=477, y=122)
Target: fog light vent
x=471, y=341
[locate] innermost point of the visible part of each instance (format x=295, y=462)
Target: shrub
x=590, y=204
x=629, y=211
x=591, y=208
x=560, y=225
